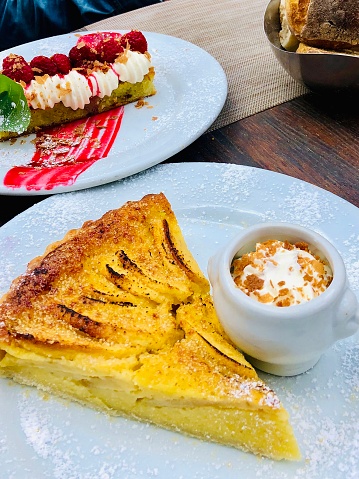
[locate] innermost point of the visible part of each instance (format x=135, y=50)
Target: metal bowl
x=320, y=72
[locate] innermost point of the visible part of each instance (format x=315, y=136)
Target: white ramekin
x=284, y=341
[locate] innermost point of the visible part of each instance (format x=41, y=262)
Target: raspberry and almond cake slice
x=102, y=71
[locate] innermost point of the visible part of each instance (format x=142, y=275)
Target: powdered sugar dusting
x=238, y=183
x=60, y=449
x=53, y=439
x=325, y=412
x=299, y=205
x=351, y=259
x=3, y=445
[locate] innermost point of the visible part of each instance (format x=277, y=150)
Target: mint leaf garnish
x=14, y=110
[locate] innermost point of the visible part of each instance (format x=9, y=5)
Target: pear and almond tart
x=119, y=317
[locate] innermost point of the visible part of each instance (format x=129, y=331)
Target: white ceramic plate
x=50, y=438
x=191, y=90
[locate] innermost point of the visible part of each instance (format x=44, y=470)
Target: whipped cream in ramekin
x=75, y=90
x=281, y=274
x=283, y=341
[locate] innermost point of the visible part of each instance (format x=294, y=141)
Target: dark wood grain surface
x=313, y=138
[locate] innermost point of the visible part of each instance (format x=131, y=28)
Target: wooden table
x=313, y=138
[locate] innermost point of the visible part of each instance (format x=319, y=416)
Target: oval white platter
x=191, y=90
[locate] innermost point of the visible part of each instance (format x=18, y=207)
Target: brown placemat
x=232, y=32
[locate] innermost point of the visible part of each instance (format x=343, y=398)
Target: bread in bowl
x=324, y=24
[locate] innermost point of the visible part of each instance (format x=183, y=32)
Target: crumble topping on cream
x=75, y=90
x=281, y=274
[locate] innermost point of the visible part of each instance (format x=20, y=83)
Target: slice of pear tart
x=119, y=317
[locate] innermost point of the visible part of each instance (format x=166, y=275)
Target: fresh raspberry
x=42, y=65
x=135, y=40
x=81, y=53
x=109, y=49
x=9, y=61
x=93, y=40
x=17, y=68
x=62, y=63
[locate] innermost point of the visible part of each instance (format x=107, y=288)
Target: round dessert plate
x=46, y=437
x=191, y=90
